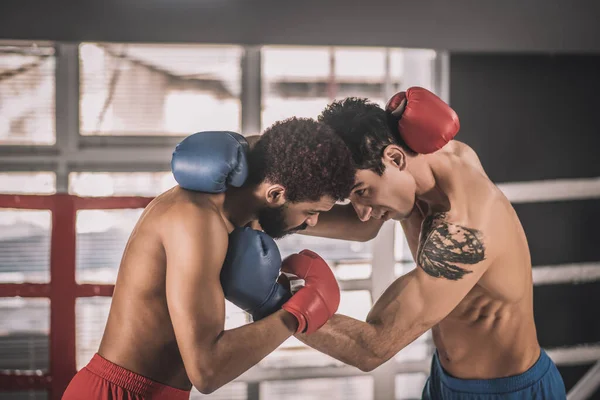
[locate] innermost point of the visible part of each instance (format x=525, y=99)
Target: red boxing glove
x=319, y=299
x=425, y=122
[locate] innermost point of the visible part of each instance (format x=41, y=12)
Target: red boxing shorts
x=103, y=380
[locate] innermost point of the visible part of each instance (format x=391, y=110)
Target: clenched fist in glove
x=319, y=299
x=424, y=121
x=249, y=278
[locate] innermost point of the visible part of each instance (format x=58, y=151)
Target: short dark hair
x=365, y=128
x=304, y=156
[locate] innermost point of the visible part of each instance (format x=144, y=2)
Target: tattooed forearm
x=444, y=244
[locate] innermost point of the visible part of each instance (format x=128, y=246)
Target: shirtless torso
x=472, y=286
x=491, y=332
x=139, y=334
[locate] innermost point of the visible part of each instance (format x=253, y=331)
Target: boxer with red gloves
x=188, y=252
x=472, y=282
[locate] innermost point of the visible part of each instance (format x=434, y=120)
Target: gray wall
x=461, y=25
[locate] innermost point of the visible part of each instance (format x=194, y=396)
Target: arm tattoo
x=444, y=244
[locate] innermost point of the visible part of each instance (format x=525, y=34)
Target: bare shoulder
x=196, y=217
x=464, y=152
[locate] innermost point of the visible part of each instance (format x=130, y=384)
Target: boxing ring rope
x=62, y=290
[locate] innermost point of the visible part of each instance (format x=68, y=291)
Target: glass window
x=24, y=329
x=28, y=182
x=401, y=250
x=235, y=316
x=333, y=251
x=356, y=387
x=293, y=82
x=148, y=184
x=101, y=239
x=24, y=245
x=27, y=92
x=152, y=89
x=419, y=350
x=91, y=314
x=355, y=304
x=410, y=386
x=301, y=81
x=347, y=271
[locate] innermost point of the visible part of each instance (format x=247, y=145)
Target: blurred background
x=95, y=95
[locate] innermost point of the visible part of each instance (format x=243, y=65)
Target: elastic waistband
x=133, y=382
x=497, y=385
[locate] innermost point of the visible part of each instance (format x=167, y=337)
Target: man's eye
x=360, y=192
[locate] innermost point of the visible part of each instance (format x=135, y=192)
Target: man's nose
x=363, y=212
x=312, y=220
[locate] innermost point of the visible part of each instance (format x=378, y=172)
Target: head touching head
x=302, y=168
x=383, y=187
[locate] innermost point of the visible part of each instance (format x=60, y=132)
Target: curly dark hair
x=305, y=157
x=365, y=128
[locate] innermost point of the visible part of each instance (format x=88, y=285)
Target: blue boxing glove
x=210, y=161
x=250, y=271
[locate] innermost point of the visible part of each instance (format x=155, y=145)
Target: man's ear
x=395, y=155
x=275, y=195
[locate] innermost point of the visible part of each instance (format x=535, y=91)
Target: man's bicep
x=448, y=250
x=451, y=259
x=195, y=254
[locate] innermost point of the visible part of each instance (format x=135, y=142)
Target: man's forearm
x=237, y=350
x=351, y=341
x=341, y=222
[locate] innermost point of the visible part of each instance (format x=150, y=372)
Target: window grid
x=62, y=163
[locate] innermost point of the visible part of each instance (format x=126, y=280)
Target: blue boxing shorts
x=541, y=381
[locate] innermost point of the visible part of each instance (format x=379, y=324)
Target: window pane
x=24, y=395
x=346, y=271
x=91, y=314
x=401, y=250
x=231, y=391
x=410, y=386
x=101, y=239
x=235, y=316
x=355, y=304
x=148, y=184
x=358, y=387
x=28, y=182
x=419, y=350
x=402, y=268
x=294, y=82
x=301, y=81
x=27, y=91
x=24, y=245
x=24, y=328
x=332, y=250
x=152, y=89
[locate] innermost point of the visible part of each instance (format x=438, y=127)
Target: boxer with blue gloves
x=191, y=248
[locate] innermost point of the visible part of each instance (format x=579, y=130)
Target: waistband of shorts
x=496, y=385
x=133, y=382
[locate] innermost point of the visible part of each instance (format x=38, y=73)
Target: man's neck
x=427, y=189
x=241, y=205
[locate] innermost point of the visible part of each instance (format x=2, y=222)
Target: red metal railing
x=62, y=290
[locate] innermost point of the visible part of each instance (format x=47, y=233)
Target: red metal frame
x=62, y=290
